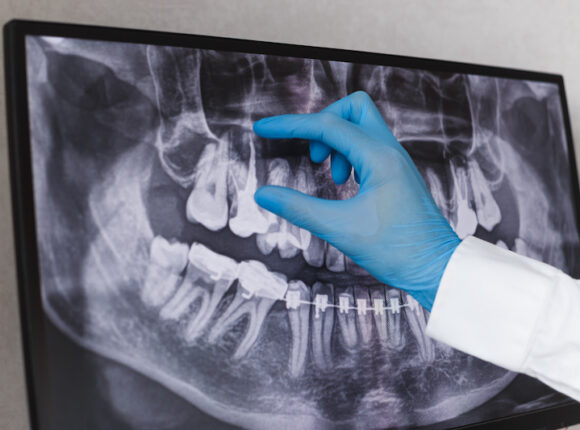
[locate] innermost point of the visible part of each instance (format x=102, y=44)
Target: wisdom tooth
x=334, y=259
x=379, y=313
x=167, y=261
x=488, y=213
x=258, y=290
x=347, y=321
x=208, y=277
x=207, y=203
x=364, y=316
x=248, y=218
x=417, y=323
x=322, y=324
x=394, y=329
x=299, y=325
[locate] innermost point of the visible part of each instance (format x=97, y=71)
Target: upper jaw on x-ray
x=154, y=253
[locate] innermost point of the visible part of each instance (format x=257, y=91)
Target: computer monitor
x=147, y=271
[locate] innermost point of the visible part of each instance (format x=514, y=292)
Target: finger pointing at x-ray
x=392, y=228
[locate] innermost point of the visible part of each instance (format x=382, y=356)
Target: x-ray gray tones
x=153, y=252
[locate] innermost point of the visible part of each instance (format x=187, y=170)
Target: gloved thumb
x=307, y=212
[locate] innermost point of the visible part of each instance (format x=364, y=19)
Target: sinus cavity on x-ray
x=154, y=255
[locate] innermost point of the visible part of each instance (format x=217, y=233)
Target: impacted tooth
x=395, y=334
x=299, y=317
x=322, y=324
x=167, y=261
x=334, y=259
x=314, y=254
x=364, y=315
x=256, y=308
x=379, y=313
x=207, y=203
x=249, y=218
x=488, y=213
x=417, y=323
x=347, y=320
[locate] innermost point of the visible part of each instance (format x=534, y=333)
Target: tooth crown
x=255, y=278
x=168, y=255
x=215, y=265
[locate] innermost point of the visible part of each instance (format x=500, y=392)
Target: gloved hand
x=392, y=228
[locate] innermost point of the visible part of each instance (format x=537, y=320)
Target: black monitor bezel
x=33, y=320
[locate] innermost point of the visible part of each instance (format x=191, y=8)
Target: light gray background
x=542, y=35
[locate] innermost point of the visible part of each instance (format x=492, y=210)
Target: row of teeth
x=180, y=277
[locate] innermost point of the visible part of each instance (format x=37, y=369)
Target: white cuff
x=490, y=301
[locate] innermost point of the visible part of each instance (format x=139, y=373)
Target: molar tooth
x=314, y=254
x=322, y=325
x=208, y=277
x=347, y=320
x=364, y=315
x=396, y=338
x=416, y=319
x=249, y=217
x=465, y=218
x=334, y=259
x=167, y=261
x=258, y=290
x=299, y=318
x=380, y=313
x=207, y=203
x=488, y=212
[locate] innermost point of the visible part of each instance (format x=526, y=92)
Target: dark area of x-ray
x=176, y=302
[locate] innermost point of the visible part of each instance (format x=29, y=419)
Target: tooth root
x=347, y=318
x=185, y=296
x=334, y=259
x=249, y=218
x=207, y=203
x=200, y=321
x=364, y=315
x=167, y=261
x=322, y=325
x=255, y=308
x=417, y=323
x=299, y=318
x=304, y=182
x=396, y=340
x=380, y=313
x=488, y=212
x=314, y=254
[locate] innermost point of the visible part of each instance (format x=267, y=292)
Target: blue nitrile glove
x=392, y=228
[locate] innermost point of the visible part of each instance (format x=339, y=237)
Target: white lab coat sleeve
x=510, y=310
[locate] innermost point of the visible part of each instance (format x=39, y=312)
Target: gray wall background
x=541, y=35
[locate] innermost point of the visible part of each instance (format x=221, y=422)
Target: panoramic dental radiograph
x=154, y=256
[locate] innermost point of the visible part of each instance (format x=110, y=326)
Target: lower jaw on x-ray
x=154, y=254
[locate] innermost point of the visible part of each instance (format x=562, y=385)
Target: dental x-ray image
x=156, y=262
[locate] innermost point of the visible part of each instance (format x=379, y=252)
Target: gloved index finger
x=341, y=135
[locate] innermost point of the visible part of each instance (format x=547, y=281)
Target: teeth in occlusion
x=347, y=318
x=208, y=204
x=334, y=259
x=417, y=322
x=466, y=220
x=299, y=318
x=364, y=315
x=322, y=319
x=396, y=339
x=314, y=254
x=248, y=218
x=380, y=313
x=281, y=233
x=488, y=212
x=167, y=261
x=208, y=277
x=258, y=290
